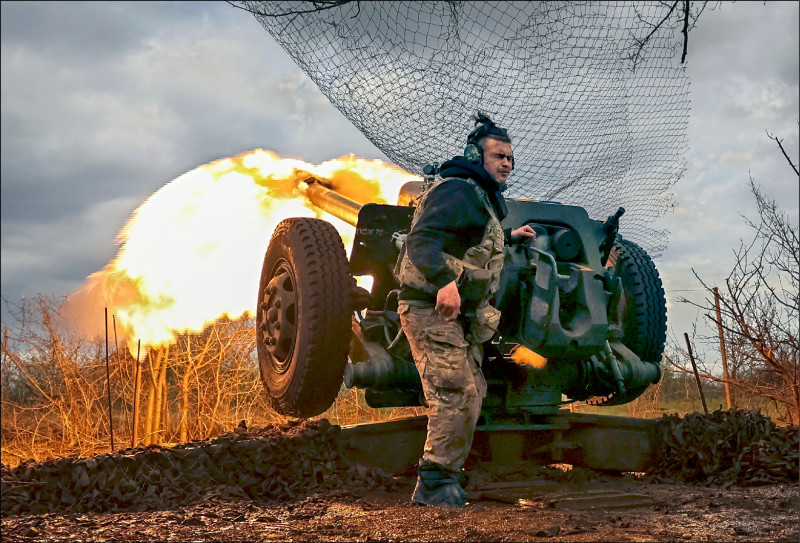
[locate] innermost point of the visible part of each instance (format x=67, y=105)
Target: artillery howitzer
x=581, y=297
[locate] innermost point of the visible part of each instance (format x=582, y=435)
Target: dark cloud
x=41, y=186
x=55, y=257
x=78, y=33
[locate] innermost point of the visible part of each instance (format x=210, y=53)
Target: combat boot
x=438, y=486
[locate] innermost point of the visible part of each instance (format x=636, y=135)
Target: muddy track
x=723, y=477
x=679, y=513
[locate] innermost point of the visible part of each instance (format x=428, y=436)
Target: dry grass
x=55, y=395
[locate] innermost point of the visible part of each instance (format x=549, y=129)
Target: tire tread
x=645, y=320
x=325, y=328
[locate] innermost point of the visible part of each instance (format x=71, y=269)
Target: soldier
x=448, y=271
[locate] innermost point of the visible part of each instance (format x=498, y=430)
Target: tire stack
x=725, y=448
x=277, y=462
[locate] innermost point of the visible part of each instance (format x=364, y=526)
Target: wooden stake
x=136, y=382
x=108, y=383
x=119, y=366
x=696, y=375
x=722, y=350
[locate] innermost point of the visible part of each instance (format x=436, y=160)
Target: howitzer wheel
x=303, y=317
x=644, y=312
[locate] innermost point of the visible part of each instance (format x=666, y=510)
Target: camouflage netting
x=276, y=462
x=597, y=119
x=725, y=448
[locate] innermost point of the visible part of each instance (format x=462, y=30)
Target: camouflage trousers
x=452, y=382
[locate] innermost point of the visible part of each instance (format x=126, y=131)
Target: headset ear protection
x=473, y=152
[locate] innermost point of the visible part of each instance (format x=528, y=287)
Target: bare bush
x=54, y=387
x=760, y=311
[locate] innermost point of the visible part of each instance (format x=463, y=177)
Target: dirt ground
x=614, y=508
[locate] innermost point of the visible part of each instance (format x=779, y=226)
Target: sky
x=104, y=103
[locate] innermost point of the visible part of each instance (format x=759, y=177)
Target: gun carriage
x=583, y=319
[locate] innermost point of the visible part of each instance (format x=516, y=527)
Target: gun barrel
x=330, y=200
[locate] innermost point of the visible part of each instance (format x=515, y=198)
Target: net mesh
x=596, y=120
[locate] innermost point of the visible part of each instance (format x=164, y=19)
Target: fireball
x=192, y=252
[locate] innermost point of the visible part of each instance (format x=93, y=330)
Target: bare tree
x=760, y=308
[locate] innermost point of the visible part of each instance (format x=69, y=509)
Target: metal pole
x=135, y=432
x=722, y=350
x=108, y=382
x=696, y=375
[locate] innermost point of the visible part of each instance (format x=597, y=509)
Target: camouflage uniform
x=448, y=355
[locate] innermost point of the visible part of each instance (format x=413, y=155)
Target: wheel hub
x=279, y=313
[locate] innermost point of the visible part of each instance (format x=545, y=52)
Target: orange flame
x=523, y=355
x=192, y=252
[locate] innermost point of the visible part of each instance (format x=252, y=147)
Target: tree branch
x=783, y=151
x=319, y=5
x=635, y=57
x=685, y=29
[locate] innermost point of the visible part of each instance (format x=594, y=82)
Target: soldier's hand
x=523, y=234
x=448, y=301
